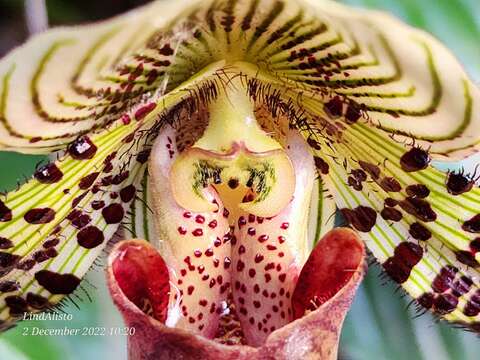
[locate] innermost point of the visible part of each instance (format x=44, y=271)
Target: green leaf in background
x=380, y=325
x=15, y=166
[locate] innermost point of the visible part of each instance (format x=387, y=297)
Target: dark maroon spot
x=128, y=193
x=263, y=238
x=471, y=308
x=5, y=243
x=362, y=218
x=26, y=265
x=108, y=168
x=81, y=221
x=467, y=258
x=240, y=265
x=389, y=184
x=475, y=245
x=458, y=183
x=113, y=213
x=229, y=237
x=37, y=302
x=87, y=181
x=212, y=283
x=444, y=279
x=166, y=50
x=269, y=266
x=359, y=174
x=426, y=300
x=391, y=202
x=445, y=304
x=419, y=232
x=9, y=286
x=209, y=252
x=472, y=225
x=5, y=212
x=78, y=199
x=233, y=183
x=18, y=306
x=78, y=219
x=391, y=214
x=74, y=214
x=371, y=169
x=354, y=183
x=143, y=156
x=410, y=252
x=144, y=111
x=110, y=157
x=419, y=208
x=400, y=265
x=418, y=190
x=107, y=180
x=51, y=253
x=129, y=138
x=118, y=179
x=82, y=149
x=90, y=237
x=353, y=114
x=415, y=159
x=126, y=119
x=39, y=216
x=48, y=174
x=461, y=286
x=248, y=197
x=321, y=165
x=226, y=213
x=313, y=143
x=98, y=204
x=57, y=283
x=258, y=258
x=181, y=230
x=197, y=232
x=476, y=297
x=242, y=221
x=40, y=256
x=241, y=250
x=334, y=107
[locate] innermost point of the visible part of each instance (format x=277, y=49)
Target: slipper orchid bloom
x=226, y=133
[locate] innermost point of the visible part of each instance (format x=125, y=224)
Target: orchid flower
x=226, y=133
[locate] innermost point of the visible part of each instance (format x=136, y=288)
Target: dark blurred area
x=13, y=30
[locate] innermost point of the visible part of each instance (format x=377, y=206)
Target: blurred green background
x=380, y=325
